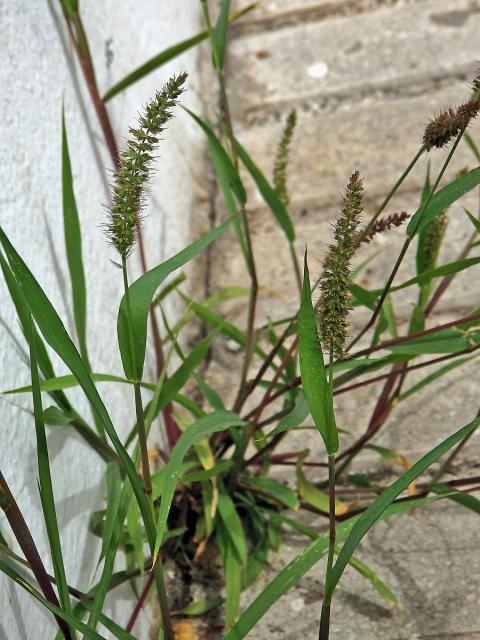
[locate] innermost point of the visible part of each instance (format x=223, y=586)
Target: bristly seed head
x=335, y=299
x=476, y=85
x=449, y=123
x=132, y=176
x=385, y=224
x=281, y=159
x=431, y=241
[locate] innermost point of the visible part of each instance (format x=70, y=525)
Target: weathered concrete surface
x=364, y=77
x=421, y=556
x=379, y=137
x=398, y=46
x=278, y=289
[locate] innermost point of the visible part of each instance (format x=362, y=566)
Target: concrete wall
x=38, y=68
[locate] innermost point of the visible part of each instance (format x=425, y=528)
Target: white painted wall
x=38, y=67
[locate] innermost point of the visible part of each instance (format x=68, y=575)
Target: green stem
x=252, y=305
x=147, y=481
x=97, y=443
x=142, y=439
x=390, y=195
x=327, y=599
x=406, y=245
x=296, y=267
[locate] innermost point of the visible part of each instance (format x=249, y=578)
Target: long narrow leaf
x=73, y=246
x=223, y=172
x=460, y=497
x=433, y=376
x=443, y=199
x=378, y=584
x=375, y=510
x=220, y=33
x=69, y=381
x=45, y=482
x=380, y=587
x=23, y=316
x=271, y=198
x=290, y=575
x=233, y=524
x=312, y=369
x=234, y=179
x=141, y=295
x=163, y=57
x=203, y=427
x=56, y=335
x=443, y=270
x=232, y=569
x=70, y=619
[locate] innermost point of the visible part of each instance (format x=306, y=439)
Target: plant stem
x=24, y=538
x=140, y=603
x=406, y=245
x=327, y=599
x=142, y=439
x=247, y=390
x=296, y=382
x=296, y=267
x=147, y=482
x=241, y=449
x=252, y=305
x=97, y=443
x=142, y=436
x=80, y=44
x=363, y=234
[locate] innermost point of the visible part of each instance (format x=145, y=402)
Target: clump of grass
x=210, y=496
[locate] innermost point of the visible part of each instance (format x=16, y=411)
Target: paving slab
x=437, y=588
x=377, y=136
x=365, y=76
x=395, y=46
x=278, y=296
x=274, y=14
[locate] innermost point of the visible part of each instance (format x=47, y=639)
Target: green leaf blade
x=290, y=575
x=45, y=481
x=220, y=34
x=203, y=427
x=57, y=337
x=275, y=204
x=375, y=510
x=141, y=294
x=73, y=246
x=442, y=200
x=312, y=370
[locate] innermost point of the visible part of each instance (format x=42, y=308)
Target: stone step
x=377, y=136
x=274, y=14
x=443, y=583
x=278, y=295
x=401, y=45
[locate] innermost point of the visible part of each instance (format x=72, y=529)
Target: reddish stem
x=27, y=545
x=140, y=603
x=80, y=44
